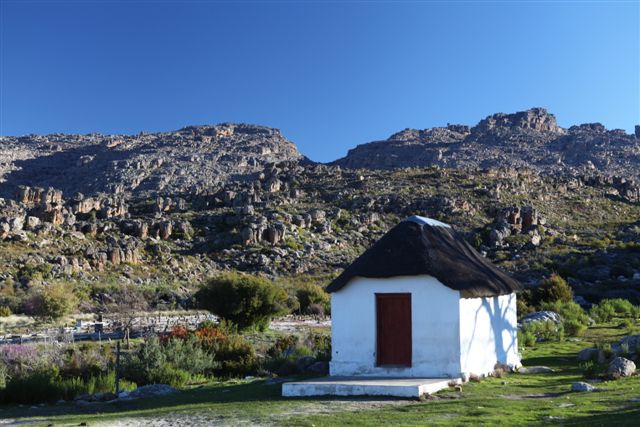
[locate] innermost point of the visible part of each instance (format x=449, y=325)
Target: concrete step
x=366, y=386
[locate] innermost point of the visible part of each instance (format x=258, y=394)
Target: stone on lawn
x=621, y=366
x=590, y=353
x=582, y=386
x=535, y=370
x=541, y=316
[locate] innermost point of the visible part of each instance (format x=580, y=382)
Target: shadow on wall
x=499, y=325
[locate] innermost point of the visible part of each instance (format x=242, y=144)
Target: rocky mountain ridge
x=158, y=213
x=529, y=139
x=185, y=161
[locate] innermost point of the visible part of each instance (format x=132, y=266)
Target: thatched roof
x=421, y=245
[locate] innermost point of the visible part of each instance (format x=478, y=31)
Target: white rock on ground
x=535, y=370
x=621, y=366
x=582, y=386
x=541, y=316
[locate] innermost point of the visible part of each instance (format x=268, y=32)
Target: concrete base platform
x=366, y=386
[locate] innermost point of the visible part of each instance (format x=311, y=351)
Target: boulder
x=165, y=229
x=590, y=353
x=32, y=222
x=274, y=233
x=535, y=370
x=582, y=386
x=541, y=316
x=5, y=230
x=620, y=366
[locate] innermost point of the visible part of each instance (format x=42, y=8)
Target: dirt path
x=209, y=417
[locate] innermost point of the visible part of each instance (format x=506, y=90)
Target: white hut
x=422, y=303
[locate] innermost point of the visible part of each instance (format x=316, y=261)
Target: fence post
x=117, y=367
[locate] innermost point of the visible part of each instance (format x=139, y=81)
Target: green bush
x=46, y=385
x=523, y=303
x=543, y=331
x=310, y=294
x=320, y=344
x=235, y=356
x=526, y=337
x=189, y=355
x=574, y=328
x=590, y=369
x=606, y=348
x=574, y=319
x=168, y=374
x=607, y=309
x=552, y=289
x=247, y=301
x=4, y=375
x=622, y=307
x=36, y=387
x=52, y=302
x=283, y=346
x=602, y=312
x=5, y=311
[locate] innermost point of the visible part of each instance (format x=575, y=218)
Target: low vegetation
x=513, y=399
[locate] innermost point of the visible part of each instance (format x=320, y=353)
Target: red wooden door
x=393, y=319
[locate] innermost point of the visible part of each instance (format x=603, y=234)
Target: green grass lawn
x=516, y=399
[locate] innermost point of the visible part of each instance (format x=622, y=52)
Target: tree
x=248, y=301
x=52, y=302
x=126, y=304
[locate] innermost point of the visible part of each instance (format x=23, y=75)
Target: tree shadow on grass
x=184, y=400
x=559, y=360
x=626, y=417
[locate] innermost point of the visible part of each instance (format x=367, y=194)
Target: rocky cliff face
x=185, y=161
x=529, y=139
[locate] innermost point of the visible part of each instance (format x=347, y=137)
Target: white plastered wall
x=488, y=333
x=435, y=327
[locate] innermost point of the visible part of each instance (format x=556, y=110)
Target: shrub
x=602, y=312
x=530, y=333
x=188, y=355
x=171, y=362
x=168, y=374
x=624, y=349
x=622, y=307
x=235, y=356
x=87, y=359
x=526, y=337
x=552, y=289
x=309, y=295
x=574, y=318
x=605, y=347
x=52, y=302
x=140, y=365
x=37, y=386
x=522, y=306
x=283, y=346
x=574, y=328
x=320, y=344
x=5, y=311
x=590, y=369
x=247, y=301
x=4, y=375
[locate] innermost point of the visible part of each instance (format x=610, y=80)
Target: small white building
x=422, y=303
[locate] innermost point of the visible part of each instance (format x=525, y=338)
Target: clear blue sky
x=330, y=75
